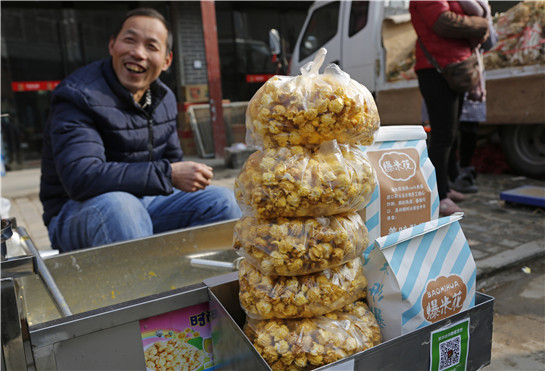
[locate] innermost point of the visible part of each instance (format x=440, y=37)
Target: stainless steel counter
x=107, y=275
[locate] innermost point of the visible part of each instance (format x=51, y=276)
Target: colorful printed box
x=178, y=340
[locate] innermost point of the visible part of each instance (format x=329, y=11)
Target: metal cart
x=111, y=289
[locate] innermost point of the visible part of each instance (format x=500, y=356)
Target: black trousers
x=463, y=149
x=469, y=133
x=444, y=109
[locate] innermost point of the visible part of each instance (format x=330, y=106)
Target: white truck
x=370, y=39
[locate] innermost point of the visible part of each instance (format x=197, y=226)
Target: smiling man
x=112, y=166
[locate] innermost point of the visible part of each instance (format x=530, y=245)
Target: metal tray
x=100, y=277
x=233, y=350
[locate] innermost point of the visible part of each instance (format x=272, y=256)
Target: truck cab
x=343, y=28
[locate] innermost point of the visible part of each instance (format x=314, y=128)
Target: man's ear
x=168, y=61
x=111, y=44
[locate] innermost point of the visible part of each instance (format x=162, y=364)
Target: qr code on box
x=449, y=352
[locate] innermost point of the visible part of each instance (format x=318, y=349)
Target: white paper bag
x=420, y=275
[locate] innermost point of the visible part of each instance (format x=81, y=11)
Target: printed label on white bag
x=405, y=198
x=443, y=297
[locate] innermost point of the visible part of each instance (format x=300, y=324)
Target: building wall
x=44, y=41
x=187, y=26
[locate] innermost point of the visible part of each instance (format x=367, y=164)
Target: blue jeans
x=121, y=216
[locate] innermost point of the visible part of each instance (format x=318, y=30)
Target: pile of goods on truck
x=302, y=284
x=403, y=69
x=521, y=42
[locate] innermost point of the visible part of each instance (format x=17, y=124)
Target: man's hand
x=190, y=176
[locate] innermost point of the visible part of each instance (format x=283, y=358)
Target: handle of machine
x=7, y=232
x=56, y=295
x=234, y=265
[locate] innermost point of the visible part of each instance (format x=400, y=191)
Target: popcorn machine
x=131, y=299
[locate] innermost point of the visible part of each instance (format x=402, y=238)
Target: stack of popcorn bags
x=302, y=283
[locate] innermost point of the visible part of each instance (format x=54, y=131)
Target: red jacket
x=446, y=50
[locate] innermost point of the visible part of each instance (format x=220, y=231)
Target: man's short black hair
x=146, y=12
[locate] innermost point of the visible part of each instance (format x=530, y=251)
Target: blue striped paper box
x=420, y=275
x=404, y=199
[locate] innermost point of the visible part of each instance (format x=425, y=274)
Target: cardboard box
x=195, y=93
x=184, y=122
x=187, y=141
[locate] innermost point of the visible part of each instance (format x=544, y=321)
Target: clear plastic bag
x=300, y=344
x=297, y=181
x=265, y=297
x=311, y=108
x=296, y=246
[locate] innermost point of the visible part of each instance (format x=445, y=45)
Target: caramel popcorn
x=297, y=181
x=301, y=344
x=295, y=246
x=266, y=296
x=173, y=355
x=309, y=110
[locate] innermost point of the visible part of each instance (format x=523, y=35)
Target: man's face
x=139, y=53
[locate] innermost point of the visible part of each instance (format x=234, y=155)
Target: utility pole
x=210, y=33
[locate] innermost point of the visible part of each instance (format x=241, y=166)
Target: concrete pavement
x=500, y=234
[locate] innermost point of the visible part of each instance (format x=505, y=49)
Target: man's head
x=141, y=48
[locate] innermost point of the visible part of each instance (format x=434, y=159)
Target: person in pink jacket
x=450, y=36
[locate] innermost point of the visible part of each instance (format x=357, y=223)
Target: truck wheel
x=524, y=149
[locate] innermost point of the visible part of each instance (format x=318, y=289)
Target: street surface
x=518, y=341
x=501, y=234
x=496, y=229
